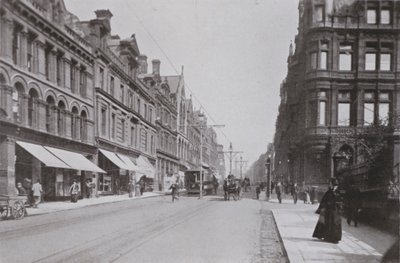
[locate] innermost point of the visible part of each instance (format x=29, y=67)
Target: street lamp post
x=201, y=162
x=268, y=166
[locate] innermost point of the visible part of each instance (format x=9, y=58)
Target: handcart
x=13, y=206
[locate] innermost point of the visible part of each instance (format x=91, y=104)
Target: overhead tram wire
x=175, y=69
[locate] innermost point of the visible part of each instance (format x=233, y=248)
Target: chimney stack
x=142, y=59
x=156, y=66
x=103, y=14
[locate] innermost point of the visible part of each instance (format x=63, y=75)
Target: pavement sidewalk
x=50, y=207
x=296, y=225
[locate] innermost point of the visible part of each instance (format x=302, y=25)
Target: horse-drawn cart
x=232, y=188
x=13, y=206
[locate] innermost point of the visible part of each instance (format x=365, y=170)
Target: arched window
x=17, y=99
x=50, y=103
x=61, y=118
x=83, y=126
x=74, y=120
x=32, y=108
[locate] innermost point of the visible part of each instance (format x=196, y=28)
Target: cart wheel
x=18, y=210
x=3, y=212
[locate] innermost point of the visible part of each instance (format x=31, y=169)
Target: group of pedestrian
x=32, y=191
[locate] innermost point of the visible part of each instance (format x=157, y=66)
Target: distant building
x=221, y=162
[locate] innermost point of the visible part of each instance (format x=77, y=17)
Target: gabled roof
x=131, y=43
x=173, y=83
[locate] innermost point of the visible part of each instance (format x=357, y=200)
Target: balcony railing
x=348, y=22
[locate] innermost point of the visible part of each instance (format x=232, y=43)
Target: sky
x=234, y=54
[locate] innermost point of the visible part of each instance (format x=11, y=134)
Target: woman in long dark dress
x=329, y=226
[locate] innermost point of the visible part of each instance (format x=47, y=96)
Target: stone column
x=68, y=123
x=23, y=109
x=77, y=73
x=35, y=56
x=23, y=56
x=77, y=127
x=6, y=101
x=360, y=107
x=7, y=28
x=41, y=115
x=36, y=170
x=7, y=166
x=67, y=73
x=53, y=120
x=90, y=131
x=63, y=127
x=53, y=66
x=41, y=61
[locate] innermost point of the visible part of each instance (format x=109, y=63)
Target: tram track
x=111, y=246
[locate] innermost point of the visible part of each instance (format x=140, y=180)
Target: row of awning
x=140, y=166
x=53, y=157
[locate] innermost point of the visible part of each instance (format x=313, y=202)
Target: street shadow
x=306, y=239
x=217, y=199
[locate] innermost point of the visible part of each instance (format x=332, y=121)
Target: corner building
x=342, y=80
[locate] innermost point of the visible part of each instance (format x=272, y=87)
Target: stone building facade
x=221, y=162
x=342, y=81
x=166, y=121
x=193, y=133
x=125, y=110
x=46, y=98
x=76, y=103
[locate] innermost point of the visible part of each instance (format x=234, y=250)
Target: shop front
x=54, y=168
x=145, y=172
x=119, y=170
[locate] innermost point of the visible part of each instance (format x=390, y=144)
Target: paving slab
x=296, y=225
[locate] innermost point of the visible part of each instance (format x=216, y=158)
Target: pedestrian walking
x=258, y=191
x=88, y=185
x=37, y=193
x=329, y=226
x=307, y=199
x=20, y=189
x=74, y=191
x=142, y=186
x=294, y=191
x=278, y=191
x=174, y=192
x=352, y=203
x=27, y=184
x=131, y=187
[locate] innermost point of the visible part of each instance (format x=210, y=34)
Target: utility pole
x=231, y=154
x=268, y=171
x=241, y=165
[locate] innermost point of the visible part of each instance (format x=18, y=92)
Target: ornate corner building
x=342, y=82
